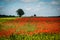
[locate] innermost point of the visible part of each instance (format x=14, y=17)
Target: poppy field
x=30, y=28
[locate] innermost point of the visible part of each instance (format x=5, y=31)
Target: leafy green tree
x=20, y=12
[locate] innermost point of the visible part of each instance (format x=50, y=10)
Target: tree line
x=20, y=13
x=7, y=16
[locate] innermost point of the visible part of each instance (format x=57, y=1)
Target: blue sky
x=31, y=7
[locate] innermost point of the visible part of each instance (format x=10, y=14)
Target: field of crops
x=33, y=28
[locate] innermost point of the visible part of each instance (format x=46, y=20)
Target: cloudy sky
x=30, y=7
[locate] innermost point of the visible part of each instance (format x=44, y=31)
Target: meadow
x=32, y=28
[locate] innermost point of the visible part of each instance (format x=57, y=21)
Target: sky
x=30, y=7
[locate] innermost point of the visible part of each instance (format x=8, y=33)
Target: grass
x=6, y=19
x=28, y=27
x=42, y=36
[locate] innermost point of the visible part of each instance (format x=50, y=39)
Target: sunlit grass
x=6, y=19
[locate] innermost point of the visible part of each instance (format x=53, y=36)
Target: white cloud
x=48, y=3
x=42, y=3
x=36, y=9
x=29, y=8
x=54, y=2
x=29, y=0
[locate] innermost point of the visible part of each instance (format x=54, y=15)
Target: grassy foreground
x=9, y=23
x=42, y=36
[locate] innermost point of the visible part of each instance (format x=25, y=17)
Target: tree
x=20, y=12
x=34, y=15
